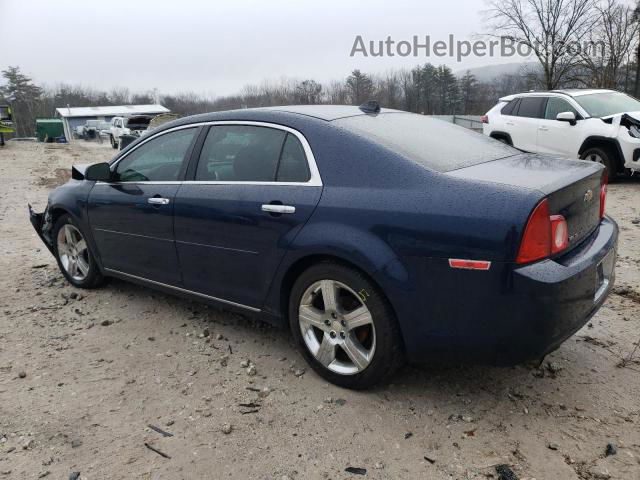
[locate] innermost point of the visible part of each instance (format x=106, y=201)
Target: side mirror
x=98, y=172
x=569, y=117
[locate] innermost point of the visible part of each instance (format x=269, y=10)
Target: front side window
x=247, y=153
x=158, y=160
x=558, y=105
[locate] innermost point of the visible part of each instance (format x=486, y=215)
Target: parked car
x=135, y=125
x=90, y=130
x=598, y=125
x=104, y=129
x=378, y=236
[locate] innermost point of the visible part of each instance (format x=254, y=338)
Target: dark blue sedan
x=379, y=236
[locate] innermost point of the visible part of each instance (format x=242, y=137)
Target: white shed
x=75, y=116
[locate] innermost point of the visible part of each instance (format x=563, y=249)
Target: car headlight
x=634, y=131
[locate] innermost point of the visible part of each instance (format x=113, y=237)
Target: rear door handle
x=158, y=201
x=511, y=124
x=543, y=129
x=272, y=208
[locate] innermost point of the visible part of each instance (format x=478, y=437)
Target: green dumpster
x=48, y=127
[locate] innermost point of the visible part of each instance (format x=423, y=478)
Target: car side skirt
x=178, y=290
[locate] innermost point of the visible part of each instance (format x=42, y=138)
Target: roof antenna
x=370, y=106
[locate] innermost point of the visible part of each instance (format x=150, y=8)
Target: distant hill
x=488, y=73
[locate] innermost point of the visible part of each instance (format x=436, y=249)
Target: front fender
x=71, y=198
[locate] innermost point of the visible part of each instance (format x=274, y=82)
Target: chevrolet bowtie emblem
x=588, y=196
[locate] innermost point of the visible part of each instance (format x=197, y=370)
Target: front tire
x=75, y=259
x=114, y=145
x=603, y=156
x=344, y=326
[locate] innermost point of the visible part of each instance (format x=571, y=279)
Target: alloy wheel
x=337, y=327
x=73, y=252
x=594, y=157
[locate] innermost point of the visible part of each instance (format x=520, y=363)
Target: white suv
x=598, y=125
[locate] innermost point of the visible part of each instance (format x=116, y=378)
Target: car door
x=523, y=123
x=560, y=138
x=249, y=192
x=132, y=217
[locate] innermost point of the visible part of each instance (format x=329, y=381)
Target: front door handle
x=158, y=201
x=274, y=208
x=544, y=129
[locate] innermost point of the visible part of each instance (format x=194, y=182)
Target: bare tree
x=616, y=32
x=550, y=29
x=636, y=20
x=308, y=92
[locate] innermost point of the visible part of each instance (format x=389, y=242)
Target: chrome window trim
x=315, y=179
x=183, y=290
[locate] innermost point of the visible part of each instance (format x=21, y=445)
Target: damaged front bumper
x=42, y=224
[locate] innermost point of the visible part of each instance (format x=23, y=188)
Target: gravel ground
x=84, y=374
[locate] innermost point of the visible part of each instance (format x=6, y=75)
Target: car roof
x=571, y=92
x=322, y=112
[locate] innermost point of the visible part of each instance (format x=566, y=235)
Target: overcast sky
x=217, y=47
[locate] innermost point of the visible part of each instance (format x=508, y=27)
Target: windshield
x=432, y=143
x=606, y=104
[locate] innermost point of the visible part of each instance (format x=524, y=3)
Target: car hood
x=632, y=115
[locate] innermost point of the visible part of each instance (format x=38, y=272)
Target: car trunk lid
x=572, y=187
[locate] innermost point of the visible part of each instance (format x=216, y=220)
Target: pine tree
x=24, y=97
x=359, y=87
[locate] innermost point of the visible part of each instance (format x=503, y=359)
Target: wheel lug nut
x=342, y=335
x=332, y=334
x=333, y=315
x=327, y=322
x=343, y=323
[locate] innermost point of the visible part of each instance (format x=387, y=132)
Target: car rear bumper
x=564, y=294
x=516, y=314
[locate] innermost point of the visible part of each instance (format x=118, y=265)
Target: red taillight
x=544, y=235
x=484, y=118
x=603, y=194
x=536, y=241
x=559, y=234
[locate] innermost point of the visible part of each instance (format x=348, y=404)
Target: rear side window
x=240, y=153
x=244, y=153
x=556, y=106
x=531, y=107
x=509, y=108
x=429, y=142
x=293, y=166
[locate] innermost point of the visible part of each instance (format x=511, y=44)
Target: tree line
x=550, y=28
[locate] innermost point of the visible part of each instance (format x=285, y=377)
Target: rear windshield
x=432, y=143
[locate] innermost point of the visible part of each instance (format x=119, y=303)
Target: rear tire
x=604, y=156
x=353, y=341
x=73, y=254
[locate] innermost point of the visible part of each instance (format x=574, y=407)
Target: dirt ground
x=83, y=375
